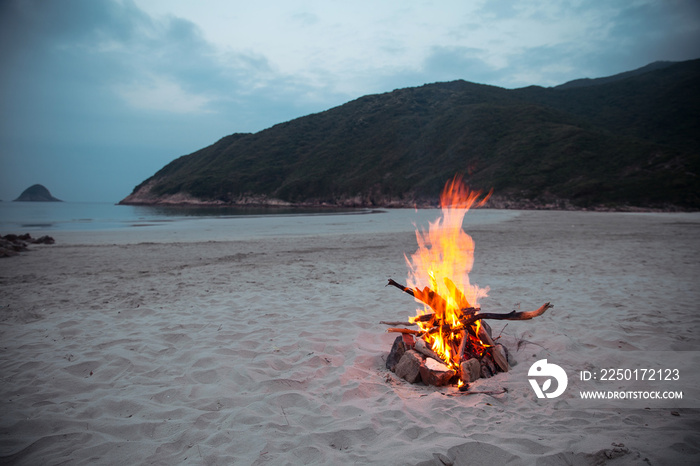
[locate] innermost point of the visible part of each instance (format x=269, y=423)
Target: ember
x=452, y=344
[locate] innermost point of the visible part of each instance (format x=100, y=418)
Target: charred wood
x=422, y=348
x=513, y=315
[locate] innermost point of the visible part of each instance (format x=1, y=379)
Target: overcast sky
x=97, y=95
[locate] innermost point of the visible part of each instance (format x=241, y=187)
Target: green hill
x=627, y=140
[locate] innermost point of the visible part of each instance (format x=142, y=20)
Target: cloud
x=513, y=44
x=100, y=86
x=159, y=93
x=92, y=87
x=305, y=18
x=651, y=30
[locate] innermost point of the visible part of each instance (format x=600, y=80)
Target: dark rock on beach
x=11, y=245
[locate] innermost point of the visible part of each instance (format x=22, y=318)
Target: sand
x=241, y=344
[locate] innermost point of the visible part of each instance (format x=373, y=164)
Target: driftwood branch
x=513, y=315
x=396, y=322
x=428, y=293
x=427, y=318
x=426, y=296
x=420, y=318
x=404, y=330
x=462, y=392
x=405, y=289
x=484, y=392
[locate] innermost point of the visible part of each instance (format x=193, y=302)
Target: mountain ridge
x=602, y=145
x=585, y=82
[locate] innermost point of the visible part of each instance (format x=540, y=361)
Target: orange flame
x=439, y=269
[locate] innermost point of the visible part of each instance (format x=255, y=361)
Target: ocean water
x=78, y=216
x=100, y=223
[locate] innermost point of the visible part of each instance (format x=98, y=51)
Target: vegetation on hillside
x=630, y=140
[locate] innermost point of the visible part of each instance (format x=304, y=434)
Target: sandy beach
x=231, y=342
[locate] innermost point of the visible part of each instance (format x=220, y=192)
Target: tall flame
x=442, y=264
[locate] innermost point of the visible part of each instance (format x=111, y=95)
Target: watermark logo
x=542, y=369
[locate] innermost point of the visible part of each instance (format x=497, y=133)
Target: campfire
x=453, y=344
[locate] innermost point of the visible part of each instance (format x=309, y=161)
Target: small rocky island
x=36, y=193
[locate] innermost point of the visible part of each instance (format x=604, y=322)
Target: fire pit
x=452, y=344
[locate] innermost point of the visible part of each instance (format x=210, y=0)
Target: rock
x=5, y=252
x=442, y=459
x=435, y=365
x=511, y=359
x=11, y=245
x=500, y=357
x=408, y=341
x=36, y=193
x=409, y=366
x=403, y=343
x=470, y=370
x=618, y=450
x=488, y=368
x=46, y=239
x=397, y=351
x=435, y=373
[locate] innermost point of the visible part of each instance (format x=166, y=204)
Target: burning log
x=426, y=296
x=422, y=348
x=484, y=334
x=462, y=344
x=513, y=315
x=405, y=289
x=471, y=349
x=452, y=341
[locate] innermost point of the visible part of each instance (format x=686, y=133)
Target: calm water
x=18, y=217
x=104, y=223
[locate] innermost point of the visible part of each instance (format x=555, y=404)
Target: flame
x=439, y=270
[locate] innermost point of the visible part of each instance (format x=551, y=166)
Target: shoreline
x=497, y=204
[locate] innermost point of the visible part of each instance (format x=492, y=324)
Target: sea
x=72, y=216
x=164, y=223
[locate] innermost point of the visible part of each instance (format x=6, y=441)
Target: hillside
x=629, y=140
